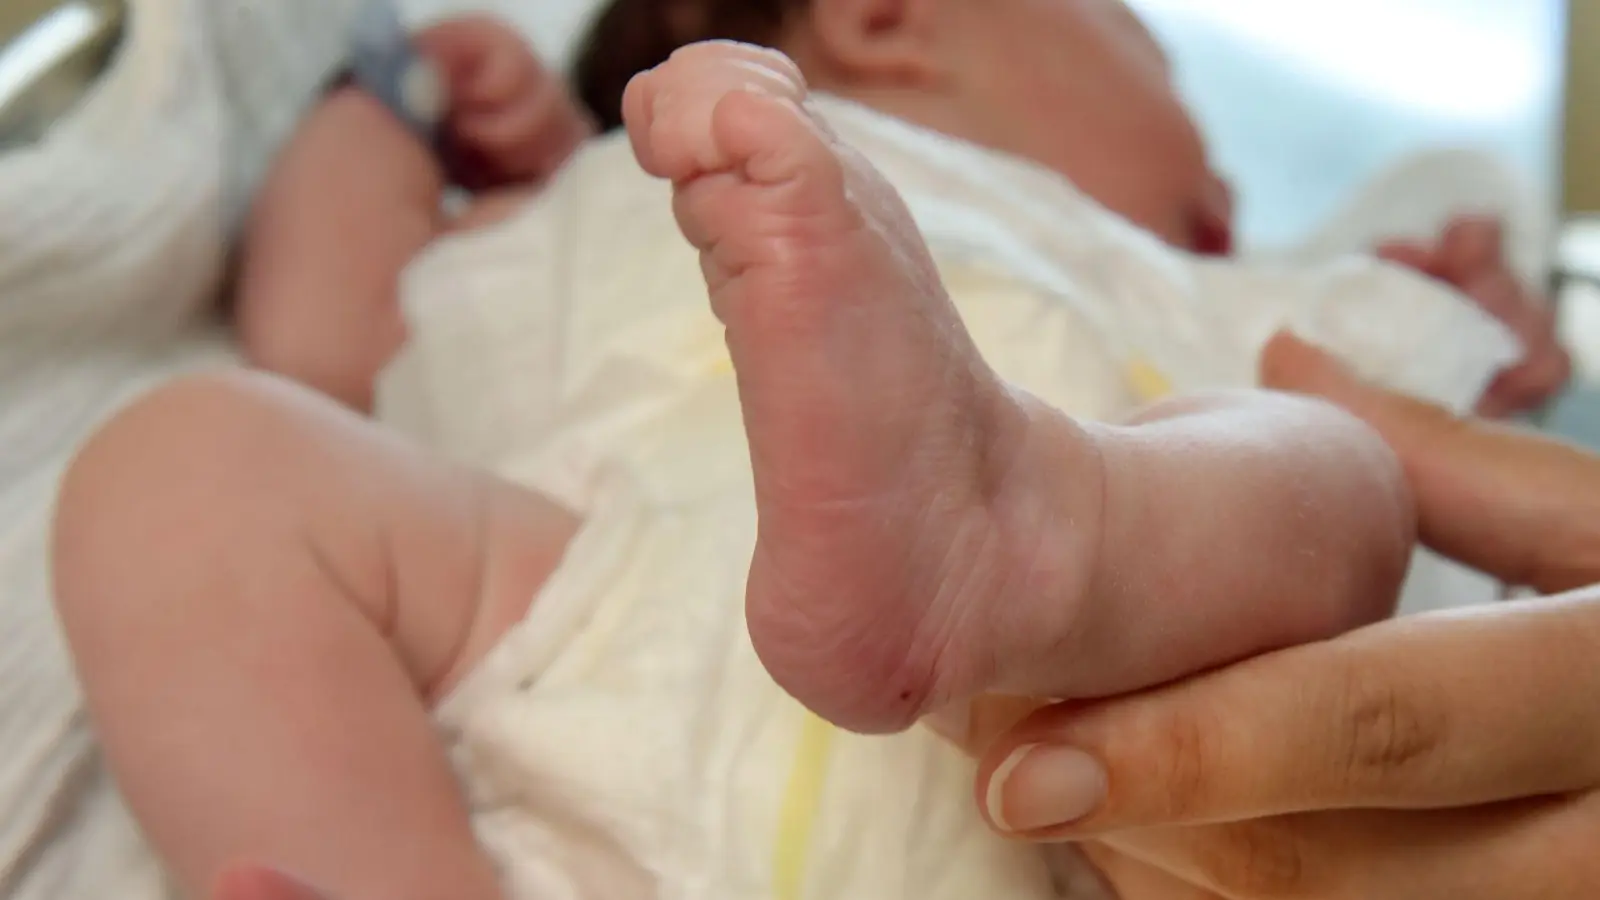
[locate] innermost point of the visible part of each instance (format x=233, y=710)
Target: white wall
x=1304, y=101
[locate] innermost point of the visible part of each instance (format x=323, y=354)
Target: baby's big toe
x=672, y=111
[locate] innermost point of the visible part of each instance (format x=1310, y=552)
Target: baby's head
x=1079, y=86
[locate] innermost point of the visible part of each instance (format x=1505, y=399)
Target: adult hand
x=1454, y=755
x=1470, y=257
x=257, y=883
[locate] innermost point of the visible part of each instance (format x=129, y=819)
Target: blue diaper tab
x=384, y=62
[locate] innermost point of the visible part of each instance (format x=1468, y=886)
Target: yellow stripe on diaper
x=1147, y=381
x=797, y=818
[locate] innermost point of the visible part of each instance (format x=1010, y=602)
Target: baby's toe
x=671, y=111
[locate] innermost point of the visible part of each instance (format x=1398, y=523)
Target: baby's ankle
x=1046, y=504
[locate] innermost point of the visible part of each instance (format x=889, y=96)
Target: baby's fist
x=510, y=120
x=1470, y=257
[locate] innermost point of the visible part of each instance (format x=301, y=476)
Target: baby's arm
x=354, y=197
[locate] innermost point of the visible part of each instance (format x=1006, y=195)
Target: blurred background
x=1306, y=103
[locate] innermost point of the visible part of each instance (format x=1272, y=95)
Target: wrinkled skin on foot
x=882, y=444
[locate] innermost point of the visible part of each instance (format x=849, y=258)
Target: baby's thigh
x=225, y=484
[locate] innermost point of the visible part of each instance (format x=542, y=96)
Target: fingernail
x=1043, y=786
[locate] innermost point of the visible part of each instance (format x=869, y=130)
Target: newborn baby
x=266, y=595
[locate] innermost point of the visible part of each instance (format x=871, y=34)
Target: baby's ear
x=881, y=40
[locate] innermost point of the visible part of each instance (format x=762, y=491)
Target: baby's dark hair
x=631, y=36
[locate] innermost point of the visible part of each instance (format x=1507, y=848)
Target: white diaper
x=624, y=741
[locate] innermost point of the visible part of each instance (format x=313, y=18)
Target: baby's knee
x=166, y=468
x=189, y=429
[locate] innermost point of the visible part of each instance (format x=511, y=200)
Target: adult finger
x=259, y=883
x=1137, y=880
x=1519, y=506
x=1539, y=848
x=1455, y=709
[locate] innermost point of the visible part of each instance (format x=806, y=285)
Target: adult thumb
x=261, y=883
x=1517, y=505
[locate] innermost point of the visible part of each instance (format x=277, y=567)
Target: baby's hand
x=510, y=120
x=1470, y=257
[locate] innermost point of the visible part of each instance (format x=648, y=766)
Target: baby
x=286, y=618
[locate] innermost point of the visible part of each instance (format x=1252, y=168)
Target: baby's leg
x=264, y=593
x=349, y=203
x=929, y=533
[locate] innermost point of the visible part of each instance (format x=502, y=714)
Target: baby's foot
x=896, y=474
